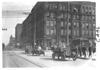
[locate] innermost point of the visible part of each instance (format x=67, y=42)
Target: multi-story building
x=61, y=22
x=18, y=30
x=11, y=41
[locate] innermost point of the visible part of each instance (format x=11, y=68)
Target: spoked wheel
x=74, y=56
x=53, y=56
x=63, y=57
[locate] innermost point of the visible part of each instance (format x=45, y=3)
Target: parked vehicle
x=67, y=52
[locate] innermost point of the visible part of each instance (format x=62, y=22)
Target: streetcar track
x=29, y=61
x=14, y=60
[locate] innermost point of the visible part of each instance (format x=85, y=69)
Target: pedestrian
x=89, y=51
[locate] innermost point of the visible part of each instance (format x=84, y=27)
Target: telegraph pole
x=68, y=24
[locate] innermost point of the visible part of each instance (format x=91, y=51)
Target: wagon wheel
x=74, y=56
x=63, y=57
x=53, y=55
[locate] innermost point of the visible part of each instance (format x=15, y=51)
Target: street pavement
x=28, y=60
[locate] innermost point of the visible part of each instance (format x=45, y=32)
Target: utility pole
x=68, y=24
x=35, y=29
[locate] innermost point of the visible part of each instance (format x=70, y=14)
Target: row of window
x=88, y=25
x=50, y=22
x=88, y=10
x=64, y=32
x=76, y=32
x=88, y=18
x=76, y=17
x=75, y=9
x=76, y=24
x=88, y=33
x=50, y=14
x=50, y=31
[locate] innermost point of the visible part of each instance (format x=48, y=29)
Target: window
x=77, y=24
x=87, y=32
x=86, y=10
x=69, y=32
x=54, y=22
x=74, y=32
x=51, y=23
x=48, y=14
x=75, y=9
x=77, y=32
x=52, y=31
x=86, y=17
x=93, y=18
x=93, y=11
x=62, y=24
x=90, y=18
x=87, y=25
x=65, y=32
x=74, y=16
x=60, y=7
x=69, y=16
x=47, y=23
x=83, y=33
x=52, y=15
x=94, y=33
x=83, y=18
x=90, y=25
x=62, y=32
x=94, y=25
x=90, y=33
x=90, y=11
x=74, y=24
x=65, y=15
x=62, y=15
x=77, y=16
x=47, y=31
x=83, y=9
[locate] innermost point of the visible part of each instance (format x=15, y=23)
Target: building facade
x=18, y=30
x=61, y=22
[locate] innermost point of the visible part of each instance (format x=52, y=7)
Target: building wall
x=61, y=22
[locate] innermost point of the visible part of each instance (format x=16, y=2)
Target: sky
x=12, y=14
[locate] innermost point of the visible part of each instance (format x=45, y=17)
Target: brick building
x=18, y=30
x=60, y=22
